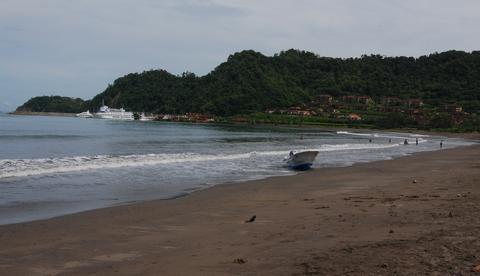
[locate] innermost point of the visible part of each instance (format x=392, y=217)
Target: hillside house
x=392, y=101
x=414, y=103
x=453, y=108
x=354, y=117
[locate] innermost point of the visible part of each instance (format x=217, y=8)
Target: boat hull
x=85, y=114
x=123, y=117
x=301, y=167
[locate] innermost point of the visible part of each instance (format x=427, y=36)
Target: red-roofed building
x=354, y=117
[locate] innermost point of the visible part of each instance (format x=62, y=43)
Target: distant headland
x=436, y=91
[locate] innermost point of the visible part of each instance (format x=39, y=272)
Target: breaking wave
x=42, y=166
x=387, y=135
x=39, y=136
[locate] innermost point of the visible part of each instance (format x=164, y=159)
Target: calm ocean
x=51, y=166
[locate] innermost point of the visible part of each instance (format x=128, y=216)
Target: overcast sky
x=76, y=48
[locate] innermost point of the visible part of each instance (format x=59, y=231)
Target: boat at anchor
x=85, y=114
x=106, y=112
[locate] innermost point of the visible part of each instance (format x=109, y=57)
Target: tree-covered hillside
x=249, y=81
x=54, y=104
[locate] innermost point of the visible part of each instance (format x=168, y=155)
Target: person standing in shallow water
x=441, y=144
x=416, y=141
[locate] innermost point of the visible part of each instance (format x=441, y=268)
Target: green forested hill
x=54, y=104
x=249, y=81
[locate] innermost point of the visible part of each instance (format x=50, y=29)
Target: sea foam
x=45, y=166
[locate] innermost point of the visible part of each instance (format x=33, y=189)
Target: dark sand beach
x=414, y=215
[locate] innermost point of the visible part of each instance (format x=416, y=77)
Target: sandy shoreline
x=365, y=219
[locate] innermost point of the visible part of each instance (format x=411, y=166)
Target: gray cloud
x=206, y=9
x=76, y=48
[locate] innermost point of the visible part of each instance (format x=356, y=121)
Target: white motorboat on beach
x=301, y=160
x=85, y=114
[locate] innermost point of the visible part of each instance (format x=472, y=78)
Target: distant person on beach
x=390, y=140
x=370, y=140
x=405, y=142
x=416, y=141
x=441, y=144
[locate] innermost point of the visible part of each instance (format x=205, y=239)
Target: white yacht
x=106, y=112
x=85, y=114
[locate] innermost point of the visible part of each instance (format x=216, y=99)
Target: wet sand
x=413, y=215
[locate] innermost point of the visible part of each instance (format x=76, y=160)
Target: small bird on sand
x=252, y=219
x=239, y=261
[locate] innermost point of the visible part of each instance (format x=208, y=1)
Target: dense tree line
x=54, y=104
x=249, y=82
